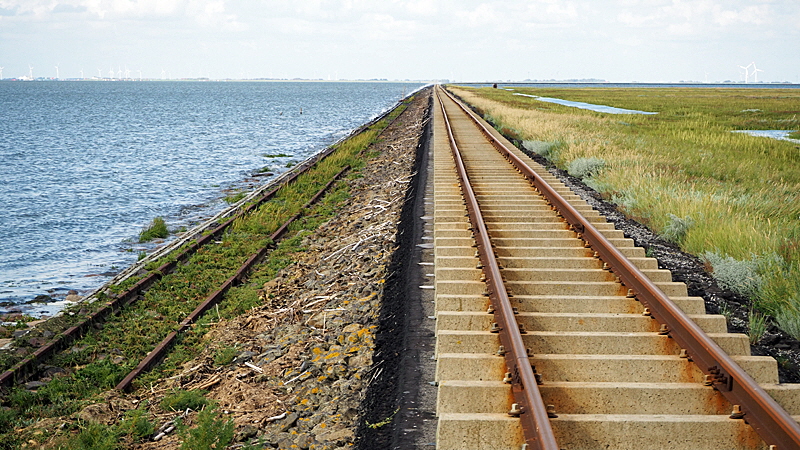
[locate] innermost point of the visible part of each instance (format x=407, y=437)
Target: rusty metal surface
x=535, y=423
x=773, y=424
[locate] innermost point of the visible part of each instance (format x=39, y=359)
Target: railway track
x=559, y=333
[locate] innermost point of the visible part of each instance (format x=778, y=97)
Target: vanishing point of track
x=555, y=331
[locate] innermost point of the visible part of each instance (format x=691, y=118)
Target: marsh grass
x=585, y=167
x=156, y=230
x=757, y=326
x=743, y=192
x=676, y=229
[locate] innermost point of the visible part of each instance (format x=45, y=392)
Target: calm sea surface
x=86, y=165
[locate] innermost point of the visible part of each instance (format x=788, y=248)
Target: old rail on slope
x=773, y=424
x=27, y=367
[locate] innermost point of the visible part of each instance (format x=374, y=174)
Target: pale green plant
x=788, y=320
x=586, y=167
x=737, y=276
x=676, y=229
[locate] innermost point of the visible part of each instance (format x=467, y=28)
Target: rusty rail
x=25, y=368
x=215, y=297
x=772, y=423
x=533, y=414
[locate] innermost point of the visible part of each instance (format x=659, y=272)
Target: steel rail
x=215, y=297
x=25, y=368
x=772, y=423
x=533, y=413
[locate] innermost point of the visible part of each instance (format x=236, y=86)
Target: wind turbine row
x=747, y=72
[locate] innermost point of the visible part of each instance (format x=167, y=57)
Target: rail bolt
x=515, y=410
x=737, y=412
x=708, y=380
x=515, y=310
x=538, y=378
x=551, y=411
x=664, y=330
x=501, y=351
x=495, y=328
x=646, y=312
x=507, y=378
x=522, y=329
x=490, y=310
x=684, y=354
x=630, y=294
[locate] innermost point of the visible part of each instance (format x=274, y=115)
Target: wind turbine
x=81, y=74
x=57, y=71
x=30, y=71
x=127, y=73
x=1, y=73
x=111, y=72
x=755, y=71
x=140, y=74
x=100, y=73
x=746, y=72
x=163, y=73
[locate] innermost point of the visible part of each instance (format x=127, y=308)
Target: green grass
x=180, y=400
x=212, y=431
x=156, y=230
x=742, y=193
x=233, y=198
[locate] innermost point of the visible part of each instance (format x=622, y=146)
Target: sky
x=457, y=40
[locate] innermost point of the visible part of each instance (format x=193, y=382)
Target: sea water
x=87, y=165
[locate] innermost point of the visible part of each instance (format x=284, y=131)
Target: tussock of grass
x=585, y=167
x=180, y=400
x=156, y=230
x=757, y=326
x=212, y=431
x=675, y=231
x=743, y=192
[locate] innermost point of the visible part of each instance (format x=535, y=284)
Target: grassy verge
x=731, y=198
x=104, y=356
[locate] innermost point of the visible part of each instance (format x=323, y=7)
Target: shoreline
x=204, y=214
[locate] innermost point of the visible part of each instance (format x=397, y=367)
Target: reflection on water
x=774, y=134
x=589, y=106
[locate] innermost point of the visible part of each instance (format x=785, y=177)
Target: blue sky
x=621, y=40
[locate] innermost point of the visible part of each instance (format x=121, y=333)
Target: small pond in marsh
x=589, y=106
x=774, y=134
